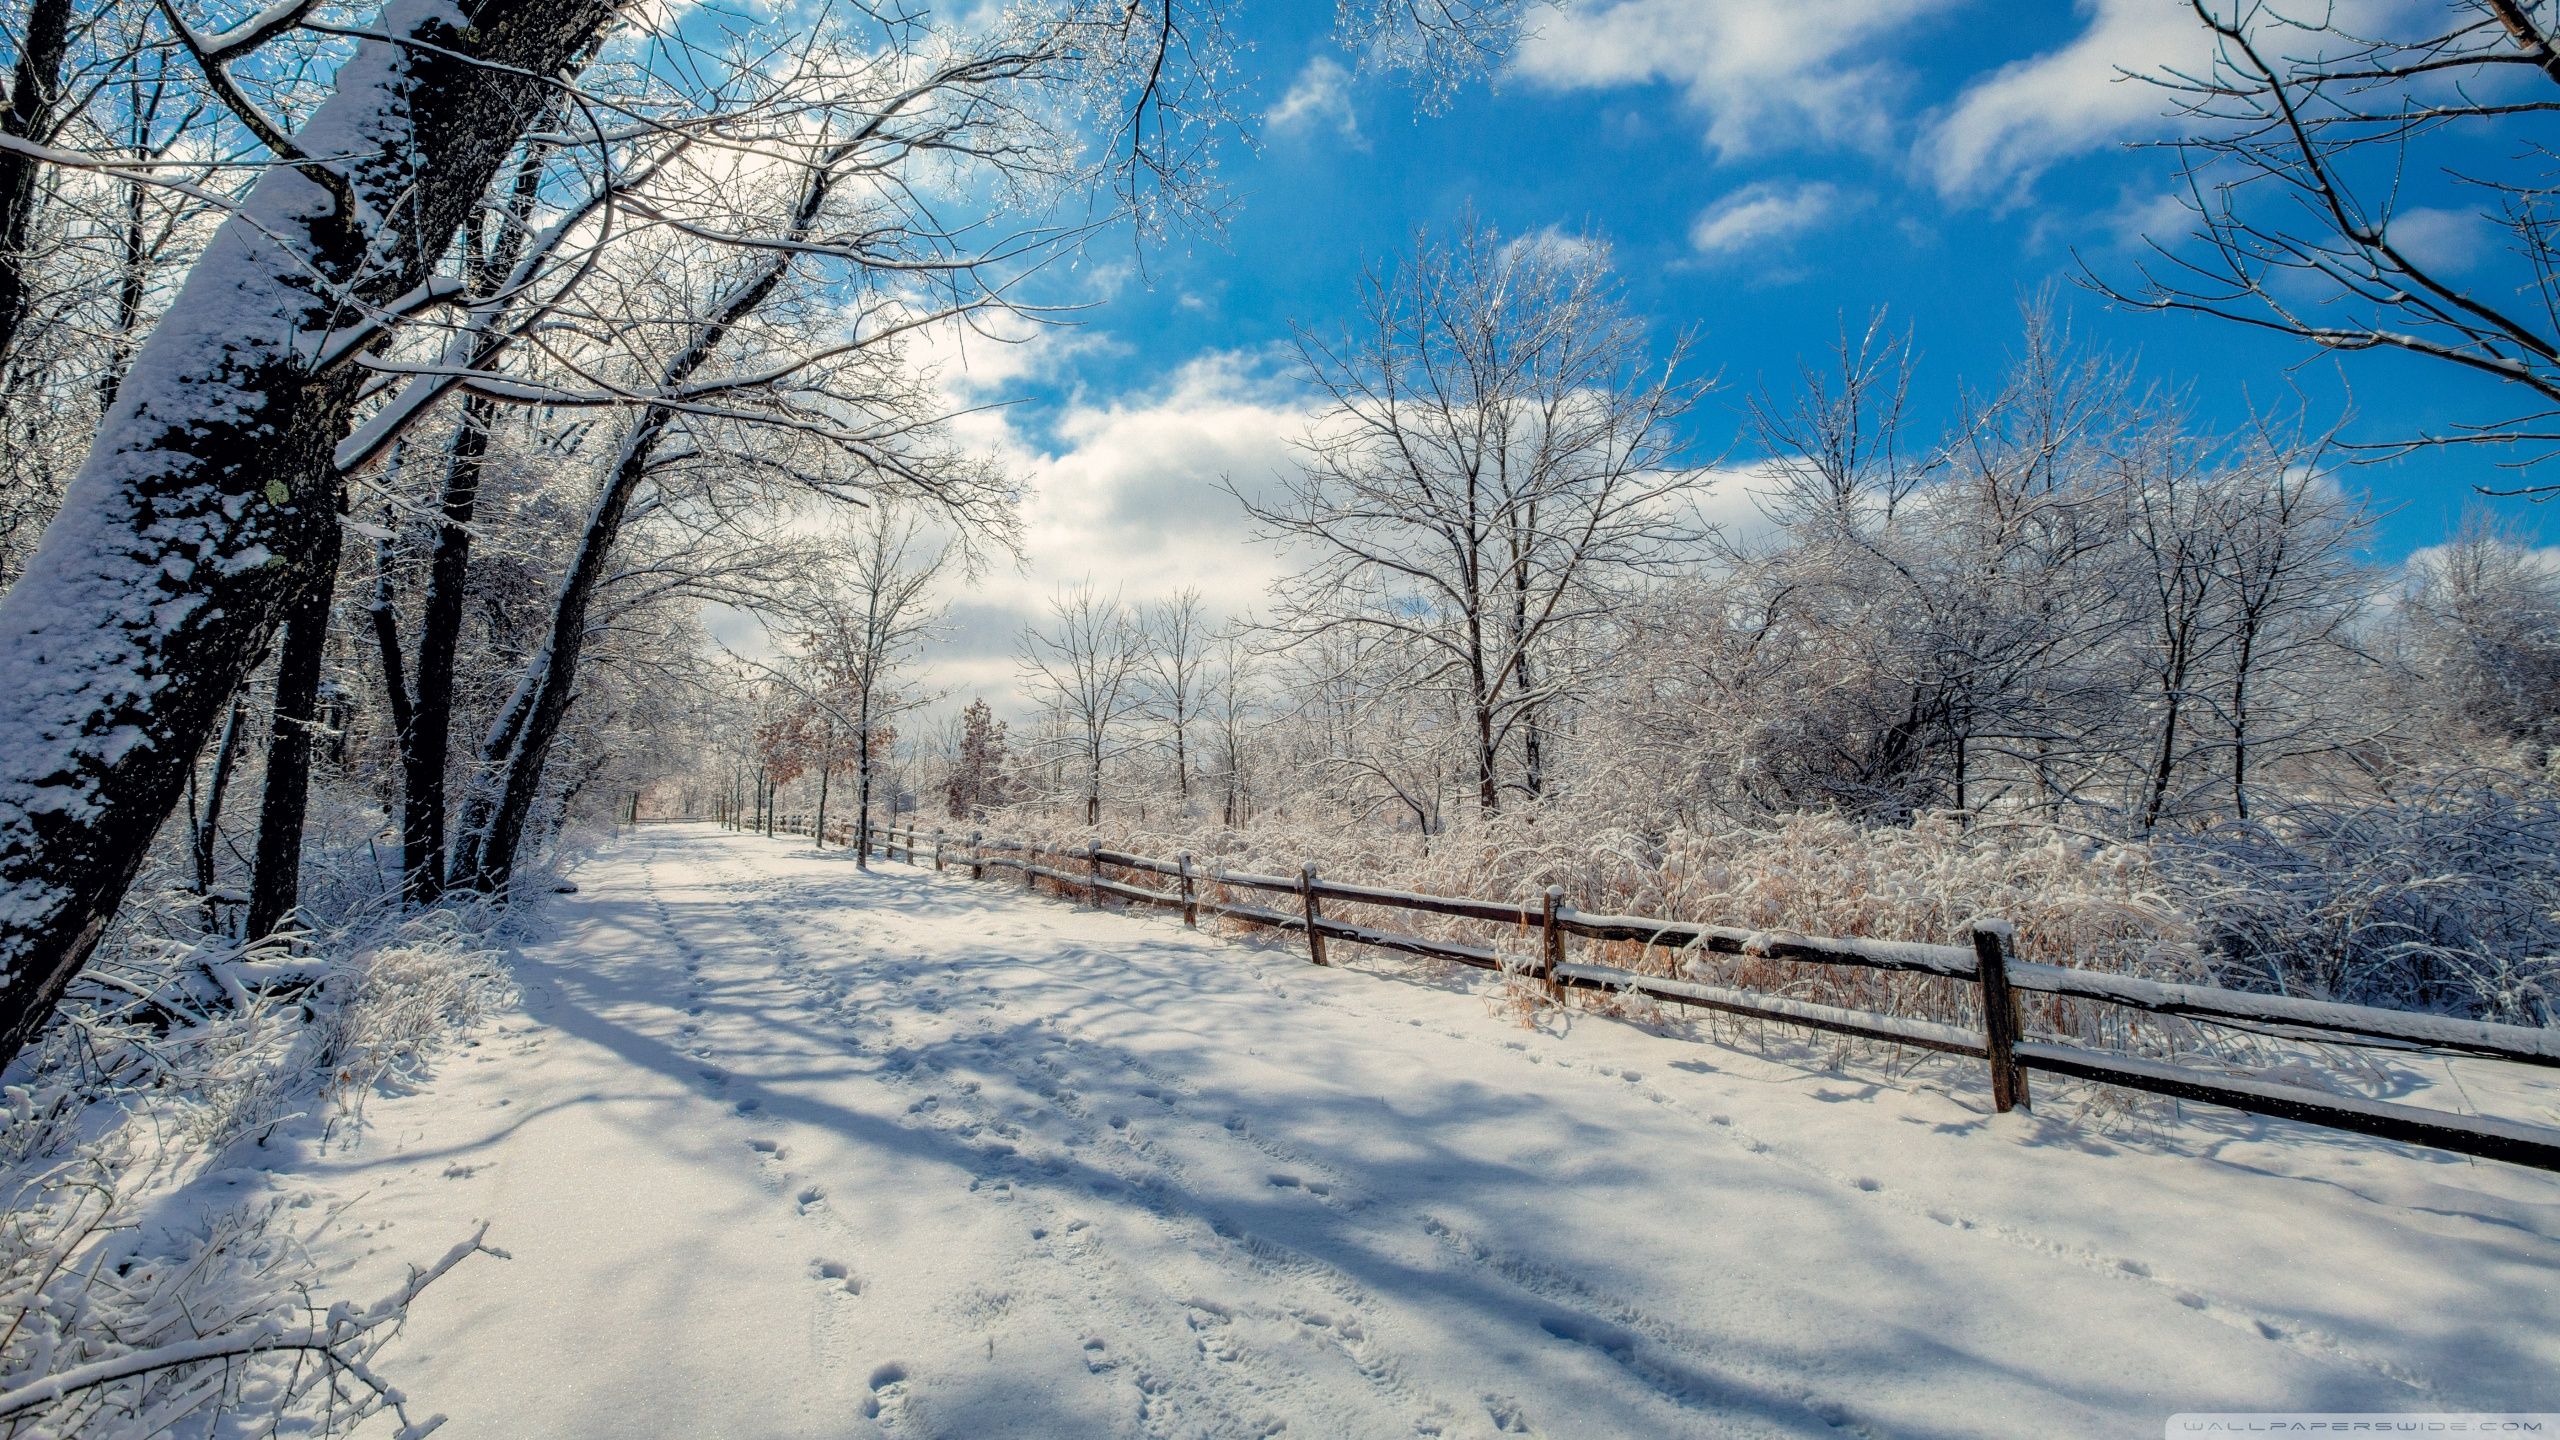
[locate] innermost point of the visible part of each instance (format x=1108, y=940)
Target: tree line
x=383, y=396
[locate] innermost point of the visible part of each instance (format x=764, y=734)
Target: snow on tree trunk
x=188, y=528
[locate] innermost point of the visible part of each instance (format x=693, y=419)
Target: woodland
x=390, y=393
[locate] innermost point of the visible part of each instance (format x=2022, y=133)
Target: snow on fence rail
x=1984, y=961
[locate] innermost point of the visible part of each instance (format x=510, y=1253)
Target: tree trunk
x=480, y=800
x=30, y=116
x=1533, y=755
x=208, y=832
x=2240, y=722
x=1488, y=799
x=862, y=799
x=1093, y=787
x=275, y=884
x=2164, y=764
x=826, y=770
x=515, y=758
x=426, y=740
x=426, y=743
x=133, y=279
x=158, y=585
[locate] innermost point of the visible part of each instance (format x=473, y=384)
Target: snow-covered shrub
x=2444, y=896
x=113, y=1330
x=117, y=1319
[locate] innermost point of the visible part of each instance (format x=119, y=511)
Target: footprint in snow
x=770, y=1149
x=811, y=1198
x=888, y=1392
x=837, y=1273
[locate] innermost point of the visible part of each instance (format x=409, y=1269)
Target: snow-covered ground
x=783, y=1149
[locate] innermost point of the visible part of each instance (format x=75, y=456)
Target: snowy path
x=781, y=1150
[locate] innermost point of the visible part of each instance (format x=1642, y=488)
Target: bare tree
x=1086, y=665
x=1499, y=457
x=2296, y=589
x=212, y=476
x=1234, y=707
x=1835, y=446
x=1177, y=663
x=2479, y=628
x=864, y=618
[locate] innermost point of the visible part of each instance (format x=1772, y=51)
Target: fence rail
x=1983, y=961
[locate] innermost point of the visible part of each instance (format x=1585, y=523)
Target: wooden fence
x=1984, y=961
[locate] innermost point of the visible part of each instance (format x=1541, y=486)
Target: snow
x=783, y=1149
x=2286, y=1012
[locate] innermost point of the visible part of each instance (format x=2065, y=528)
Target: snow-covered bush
x=2444, y=897
x=127, y=1306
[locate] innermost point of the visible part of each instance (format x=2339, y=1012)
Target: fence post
x=1551, y=946
x=977, y=857
x=1999, y=1015
x=1190, y=896
x=937, y=851
x=1093, y=874
x=1315, y=914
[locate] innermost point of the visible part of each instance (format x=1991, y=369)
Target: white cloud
x=1320, y=98
x=1764, y=72
x=2443, y=241
x=1127, y=493
x=2542, y=558
x=2008, y=126
x=2160, y=218
x=1760, y=215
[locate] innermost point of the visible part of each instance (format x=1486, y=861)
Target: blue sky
x=1763, y=169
